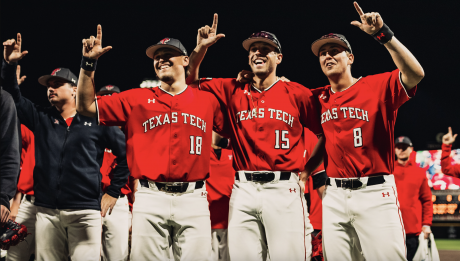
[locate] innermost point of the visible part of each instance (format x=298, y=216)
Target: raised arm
x=372, y=23
x=446, y=166
x=12, y=54
x=206, y=37
x=86, y=94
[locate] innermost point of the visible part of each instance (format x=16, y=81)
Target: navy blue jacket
x=9, y=148
x=68, y=158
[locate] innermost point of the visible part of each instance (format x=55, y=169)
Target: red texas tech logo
x=292, y=190
x=109, y=87
x=385, y=194
x=55, y=71
x=164, y=41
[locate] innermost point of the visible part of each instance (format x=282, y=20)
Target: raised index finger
x=99, y=32
x=19, y=39
x=214, y=23
x=358, y=8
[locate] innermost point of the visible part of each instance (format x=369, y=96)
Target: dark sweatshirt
x=9, y=149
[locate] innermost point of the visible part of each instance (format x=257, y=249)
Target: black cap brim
x=45, y=78
x=248, y=42
x=316, y=45
x=152, y=49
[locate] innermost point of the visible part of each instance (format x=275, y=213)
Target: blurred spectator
x=414, y=195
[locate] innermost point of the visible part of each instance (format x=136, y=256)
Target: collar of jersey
x=171, y=93
x=267, y=88
x=348, y=86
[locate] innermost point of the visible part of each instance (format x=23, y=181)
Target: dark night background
x=52, y=33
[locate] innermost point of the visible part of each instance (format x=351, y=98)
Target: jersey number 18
x=195, y=145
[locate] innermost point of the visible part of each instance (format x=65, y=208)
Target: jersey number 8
x=358, y=137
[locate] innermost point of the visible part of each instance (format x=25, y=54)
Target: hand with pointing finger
x=208, y=36
x=370, y=22
x=12, y=50
x=92, y=47
x=448, y=139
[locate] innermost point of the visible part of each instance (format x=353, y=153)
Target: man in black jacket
x=9, y=153
x=69, y=148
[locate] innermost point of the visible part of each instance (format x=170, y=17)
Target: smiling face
x=169, y=64
x=403, y=151
x=263, y=59
x=60, y=91
x=335, y=59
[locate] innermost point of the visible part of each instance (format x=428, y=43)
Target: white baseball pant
x=115, y=232
x=268, y=216
x=219, y=245
x=366, y=220
x=27, y=216
x=163, y=219
x=68, y=232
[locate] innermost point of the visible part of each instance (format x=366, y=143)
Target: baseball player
x=219, y=188
x=168, y=137
x=315, y=182
x=26, y=210
x=267, y=119
x=360, y=204
x=313, y=194
x=115, y=227
x=68, y=150
x=446, y=166
x=414, y=195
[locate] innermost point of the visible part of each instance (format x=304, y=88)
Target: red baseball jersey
x=168, y=137
x=266, y=127
x=219, y=187
x=26, y=177
x=316, y=205
x=358, y=124
x=414, y=197
x=109, y=162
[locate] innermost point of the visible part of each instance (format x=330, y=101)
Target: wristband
x=383, y=35
x=88, y=64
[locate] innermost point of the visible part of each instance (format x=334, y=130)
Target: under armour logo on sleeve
x=151, y=100
x=385, y=194
x=89, y=64
x=88, y=123
x=292, y=190
x=56, y=121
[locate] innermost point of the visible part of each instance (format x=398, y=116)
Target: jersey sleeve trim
x=97, y=112
x=404, y=87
